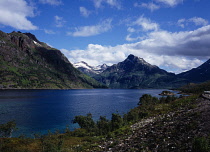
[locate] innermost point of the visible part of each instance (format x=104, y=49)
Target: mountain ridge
x=90, y=70
x=27, y=63
x=133, y=63
x=135, y=72
x=199, y=74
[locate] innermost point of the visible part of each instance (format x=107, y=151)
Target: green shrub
x=103, y=125
x=7, y=129
x=201, y=144
x=85, y=122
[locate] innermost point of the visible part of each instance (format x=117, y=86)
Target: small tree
x=103, y=125
x=85, y=122
x=116, y=121
x=146, y=99
x=7, y=129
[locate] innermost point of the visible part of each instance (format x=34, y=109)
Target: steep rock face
x=135, y=72
x=25, y=62
x=199, y=74
x=90, y=70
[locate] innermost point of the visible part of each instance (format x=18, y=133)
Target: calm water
x=37, y=111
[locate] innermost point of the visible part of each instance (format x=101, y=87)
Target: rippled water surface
x=37, y=111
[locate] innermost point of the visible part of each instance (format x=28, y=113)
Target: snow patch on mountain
x=90, y=70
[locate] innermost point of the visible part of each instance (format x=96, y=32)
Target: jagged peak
x=33, y=37
x=134, y=58
x=27, y=35
x=131, y=57
x=104, y=66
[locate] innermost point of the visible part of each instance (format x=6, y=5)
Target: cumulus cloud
x=157, y=4
x=175, y=52
x=84, y=12
x=51, y=2
x=146, y=24
x=198, y=21
x=92, y=30
x=14, y=13
x=170, y=3
x=112, y=3
x=59, y=21
x=151, y=6
x=181, y=22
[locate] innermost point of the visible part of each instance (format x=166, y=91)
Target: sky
x=172, y=34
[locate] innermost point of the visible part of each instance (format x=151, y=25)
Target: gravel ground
x=172, y=132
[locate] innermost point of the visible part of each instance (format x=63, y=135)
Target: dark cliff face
x=135, y=72
x=28, y=63
x=199, y=74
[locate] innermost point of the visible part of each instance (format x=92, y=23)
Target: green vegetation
x=24, y=65
x=92, y=133
x=196, y=88
x=7, y=129
x=201, y=144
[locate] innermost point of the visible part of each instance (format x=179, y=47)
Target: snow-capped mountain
x=90, y=70
x=134, y=72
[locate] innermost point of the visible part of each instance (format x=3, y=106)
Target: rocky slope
x=135, y=72
x=90, y=70
x=184, y=129
x=25, y=62
x=199, y=74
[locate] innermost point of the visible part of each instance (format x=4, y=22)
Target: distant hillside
x=135, y=72
x=90, y=70
x=27, y=63
x=199, y=74
x=196, y=88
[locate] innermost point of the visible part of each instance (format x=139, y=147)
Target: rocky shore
x=174, y=131
x=167, y=93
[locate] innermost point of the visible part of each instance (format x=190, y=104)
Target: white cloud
x=129, y=38
x=86, y=31
x=14, y=13
x=198, y=21
x=84, y=12
x=59, y=21
x=51, y=2
x=170, y=3
x=112, y=3
x=157, y=4
x=151, y=6
x=49, y=31
x=131, y=30
x=175, y=52
x=146, y=24
x=181, y=22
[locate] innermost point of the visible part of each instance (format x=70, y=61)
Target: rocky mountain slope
x=135, y=72
x=90, y=70
x=184, y=129
x=25, y=62
x=199, y=74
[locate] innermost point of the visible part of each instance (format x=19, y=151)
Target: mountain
x=27, y=63
x=90, y=70
x=199, y=74
x=135, y=72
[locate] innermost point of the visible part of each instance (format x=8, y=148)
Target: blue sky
x=172, y=34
